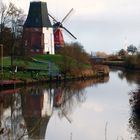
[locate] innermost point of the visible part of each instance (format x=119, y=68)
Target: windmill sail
x=57, y=27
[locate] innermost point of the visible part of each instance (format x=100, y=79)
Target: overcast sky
x=99, y=25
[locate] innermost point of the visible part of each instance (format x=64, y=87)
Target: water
x=101, y=109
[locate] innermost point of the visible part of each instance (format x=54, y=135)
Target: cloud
x=93, y=107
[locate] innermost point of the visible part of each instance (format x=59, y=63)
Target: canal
x=99, y=109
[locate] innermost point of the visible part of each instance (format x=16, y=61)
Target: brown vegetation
x=75, y=51
x=75, y=60
x=101, y=69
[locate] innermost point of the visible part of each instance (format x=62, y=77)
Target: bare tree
x=11, y=21
x=3, y=19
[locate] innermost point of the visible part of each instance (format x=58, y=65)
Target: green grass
x=19, y=75
x=57, y=59
x=39, y=62
x=6, y=61
x=45, y=59
x=29, y=63
x=52, y=58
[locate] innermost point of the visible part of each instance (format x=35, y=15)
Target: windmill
x=38, y=30
x=57, y=30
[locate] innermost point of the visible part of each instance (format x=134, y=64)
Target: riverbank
x=128, y=62
x=48, y=68
x=122, y=65
x=83, y=75
x=13, y=86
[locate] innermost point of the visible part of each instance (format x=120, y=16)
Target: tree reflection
x=135, y=113
x=134, y=121
x=12, y=125
x=25, y=114
x=131, y=77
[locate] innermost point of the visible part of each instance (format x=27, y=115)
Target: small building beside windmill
x=38, y=37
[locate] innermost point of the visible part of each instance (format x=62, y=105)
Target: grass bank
x=40, y=67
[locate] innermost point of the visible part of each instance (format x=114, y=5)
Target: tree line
x=131, y=49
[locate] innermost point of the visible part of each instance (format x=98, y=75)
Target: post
x=1, y=46
x=50, y=71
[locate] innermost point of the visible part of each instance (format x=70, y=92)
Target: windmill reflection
x=67, y=97
x=37, y=106
x=25, y=114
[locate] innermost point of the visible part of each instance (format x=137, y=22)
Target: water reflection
x=131, y=77
x=37, y=104
x=25, y=114
x=12, y=125
x=135, y=113
x=134, y=120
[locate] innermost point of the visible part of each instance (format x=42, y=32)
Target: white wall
x=48, y=40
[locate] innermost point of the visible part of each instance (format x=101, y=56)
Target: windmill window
x=36, y=20
x=36, y=29
x=26, y=42
x=37, y=50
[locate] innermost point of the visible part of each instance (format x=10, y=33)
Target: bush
x=74, y=59
x=132, y=61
